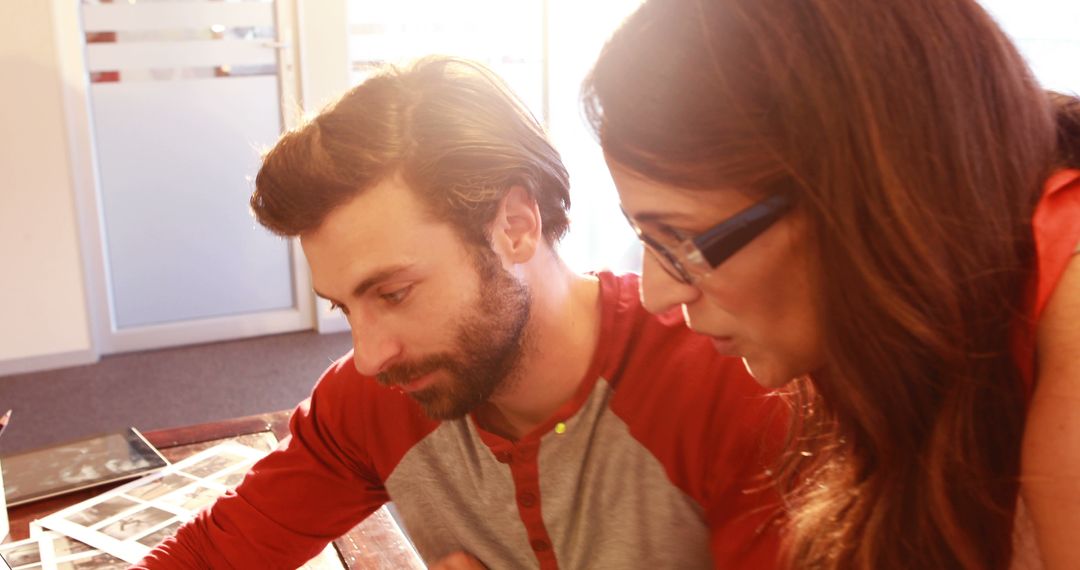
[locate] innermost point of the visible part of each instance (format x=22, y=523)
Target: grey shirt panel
x=606, y=501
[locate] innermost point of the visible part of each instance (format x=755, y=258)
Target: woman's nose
x=660, y=292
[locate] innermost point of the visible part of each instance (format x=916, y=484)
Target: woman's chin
x=769, y=376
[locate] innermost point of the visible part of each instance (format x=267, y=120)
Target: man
x=511, y=409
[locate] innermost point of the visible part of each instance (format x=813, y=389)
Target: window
x=543, y=49
x=1046, y=33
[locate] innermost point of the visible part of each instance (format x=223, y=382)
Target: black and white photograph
x=66, y=546
x=193, y=498
x=101, y=511
x=161, y=486
x=136, y=523
x=129, y=520
x=151, y=540
x=100, y=561
x=21, y=554
x=213, y=464
x=230, y=480
x=76, y=465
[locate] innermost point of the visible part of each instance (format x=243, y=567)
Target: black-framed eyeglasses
x=695, y=257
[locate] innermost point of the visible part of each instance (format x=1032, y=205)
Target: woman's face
x=757, y=304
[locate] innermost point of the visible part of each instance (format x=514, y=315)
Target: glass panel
x=161, y=40
x=108, y=2
x=174, y=160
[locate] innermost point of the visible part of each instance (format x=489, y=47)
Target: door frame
x=106, y=337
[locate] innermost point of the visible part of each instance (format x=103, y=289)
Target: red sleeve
x=1056, y=229
x=1056, y=225
x=315, y=487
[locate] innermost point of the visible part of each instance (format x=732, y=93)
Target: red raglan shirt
x=1056, y=229
x=657, y=462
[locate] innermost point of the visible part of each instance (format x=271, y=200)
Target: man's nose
x=374, y=348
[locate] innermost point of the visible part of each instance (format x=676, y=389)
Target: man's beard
x=490, y=344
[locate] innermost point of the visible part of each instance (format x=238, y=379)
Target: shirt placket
x=522, y=460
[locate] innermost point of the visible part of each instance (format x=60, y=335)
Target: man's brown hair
x=456, y=135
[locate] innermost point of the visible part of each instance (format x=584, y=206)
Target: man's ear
x=517, y=229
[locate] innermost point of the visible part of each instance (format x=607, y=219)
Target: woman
x=871, y=203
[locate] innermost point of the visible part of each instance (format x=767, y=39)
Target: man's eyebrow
x=372, y=280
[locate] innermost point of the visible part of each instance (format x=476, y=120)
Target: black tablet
x=75, y=465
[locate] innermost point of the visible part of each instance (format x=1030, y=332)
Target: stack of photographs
x=131, y=519
x=80, y=464
x=119, y=527
x=53, y=551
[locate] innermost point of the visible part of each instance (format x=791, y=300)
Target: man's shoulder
x=362, y=416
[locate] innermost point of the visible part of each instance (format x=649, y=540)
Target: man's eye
x=336, y=307
x=396, y=296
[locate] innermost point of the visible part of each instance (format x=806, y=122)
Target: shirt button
x=504, y=457
x=540, y=544
x=528, y=500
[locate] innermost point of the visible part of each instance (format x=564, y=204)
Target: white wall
x=43, y=310
x=45, y=313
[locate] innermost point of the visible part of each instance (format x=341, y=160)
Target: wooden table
x=375, y=544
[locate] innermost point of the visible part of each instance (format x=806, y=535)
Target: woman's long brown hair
x=916, y=142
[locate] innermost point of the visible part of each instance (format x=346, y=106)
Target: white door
x=181, y=98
